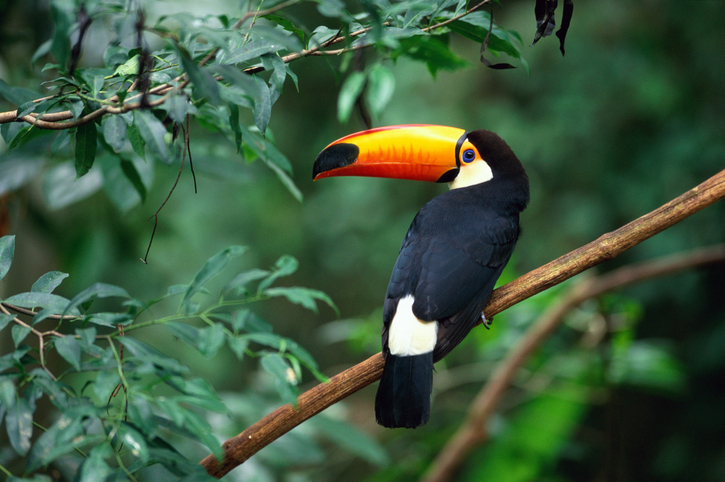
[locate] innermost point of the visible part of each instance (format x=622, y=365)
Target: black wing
x=452, y=255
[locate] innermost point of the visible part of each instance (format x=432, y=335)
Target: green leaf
x=380, y=89
x=5, y=320
x=153, y=132
x=7, y=251
x=16, y=95
x=211, y=339
x=211, y=268
x=283, y=374
x=57, y=304
x=301, y=296
x=284, y=266
x=19, y=332
x=48, y=282
x=475, y=27
x=61, y=187
x=94, y=467
x=206, y=85
x=178, y=106
x=262, y=106
x=62, y=14
x=69, y=348
x=137, y=143
x=132, y=174
x=279, y=74
x=147, y=354
x=97, y=290
x=86, y=144
x=188, y=334
x=238, y=284
x=8, y=393
x=433, y=51
x=19, y=425
x=349, y=93
x=133, y=440
x=351, y=439
x=114, y=132
x=105, y=383
x=234, y=123
x=238, y=345
x=130, y=67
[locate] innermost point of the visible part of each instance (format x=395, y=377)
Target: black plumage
x=450, y=260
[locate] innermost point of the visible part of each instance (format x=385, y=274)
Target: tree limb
x=238, y=449
x=473, y=431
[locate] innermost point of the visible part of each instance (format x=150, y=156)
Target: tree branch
x=473, y=432
x=238, y=449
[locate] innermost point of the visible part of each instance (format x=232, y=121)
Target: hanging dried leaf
x=545, y=22
x=565, y=21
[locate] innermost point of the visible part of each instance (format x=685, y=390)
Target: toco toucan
x=452, y=255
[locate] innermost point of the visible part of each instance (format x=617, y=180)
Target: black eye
x=469, y=155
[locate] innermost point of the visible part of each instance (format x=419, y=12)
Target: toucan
x=452, y=255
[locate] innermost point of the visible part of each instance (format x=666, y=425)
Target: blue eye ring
x=469, y=155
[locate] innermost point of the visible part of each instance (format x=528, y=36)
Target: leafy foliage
x=212, y=69
x=120, y=402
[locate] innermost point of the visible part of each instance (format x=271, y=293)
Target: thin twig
x=168, y=196
x=473, y=432
x=240, y=448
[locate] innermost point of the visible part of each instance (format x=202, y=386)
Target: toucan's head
x=420, y=152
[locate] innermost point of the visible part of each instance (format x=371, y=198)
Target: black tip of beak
x=335, y=156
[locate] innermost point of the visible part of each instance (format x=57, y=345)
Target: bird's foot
x=486, y=323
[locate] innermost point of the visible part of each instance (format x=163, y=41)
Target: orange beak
x=417, y=152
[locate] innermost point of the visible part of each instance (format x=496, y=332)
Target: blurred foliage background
x=630, y=118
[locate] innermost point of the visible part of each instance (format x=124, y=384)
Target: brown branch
x=473, y=432
x=285, y=418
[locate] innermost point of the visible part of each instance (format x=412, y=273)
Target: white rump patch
x=409, y=335
x=474, y=173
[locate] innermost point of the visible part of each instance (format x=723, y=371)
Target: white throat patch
x=409, y=335
x=474, y=173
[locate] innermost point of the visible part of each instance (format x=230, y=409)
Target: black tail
x=403, y=398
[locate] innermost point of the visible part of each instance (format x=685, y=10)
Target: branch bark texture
x=238, y=449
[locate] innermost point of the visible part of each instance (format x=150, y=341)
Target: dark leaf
x=545, y=22
x=86, y=144
x=565, y=21
x=234, y=123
